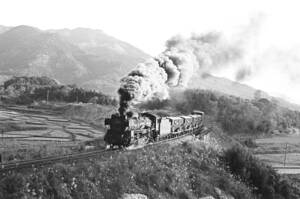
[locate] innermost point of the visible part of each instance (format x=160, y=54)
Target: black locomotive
x=137, y=128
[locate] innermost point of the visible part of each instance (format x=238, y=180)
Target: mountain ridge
x=66, y=55
x=91, y=59
x=229, y=87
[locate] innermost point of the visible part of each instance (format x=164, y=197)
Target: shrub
x=249, y=142
x=12, y=186
x=264, y=180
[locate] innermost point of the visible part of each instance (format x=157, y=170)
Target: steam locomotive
x=143, y=128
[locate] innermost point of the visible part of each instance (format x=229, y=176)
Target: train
x=145, y=127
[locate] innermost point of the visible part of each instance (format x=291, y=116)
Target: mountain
x=91, y=59
x=87, y=57
x=226, y=86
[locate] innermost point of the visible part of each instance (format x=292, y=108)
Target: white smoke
x=146, y=81
x=175, y=66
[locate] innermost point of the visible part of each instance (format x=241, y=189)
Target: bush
x=264, y=180
x=249, y=142
x=12, y=186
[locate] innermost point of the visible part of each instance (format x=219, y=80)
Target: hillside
x=83, y=56
x=116, y=57
x=190, y=168
x=223, y=85
x=26, y=90
x=226, y=86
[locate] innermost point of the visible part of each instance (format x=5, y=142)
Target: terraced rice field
x=27, y=126
x=280, y=151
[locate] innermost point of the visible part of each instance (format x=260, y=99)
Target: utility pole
x=1, y=154
x=77, y=96
x=286, y=145
x=2, y=133
x=48, y=95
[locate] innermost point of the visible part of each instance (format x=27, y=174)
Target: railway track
x=86, y=155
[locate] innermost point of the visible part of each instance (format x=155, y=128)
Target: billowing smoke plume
x=175, y=66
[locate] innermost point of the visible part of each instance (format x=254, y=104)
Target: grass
x=186, y=170
x=25, y=150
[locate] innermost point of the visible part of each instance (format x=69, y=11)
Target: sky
x=270, y=30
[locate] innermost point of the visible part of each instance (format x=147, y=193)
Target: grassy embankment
x=187, y=170
x=191, y=169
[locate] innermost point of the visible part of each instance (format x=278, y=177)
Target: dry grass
x=90, y=113
x=187, y=170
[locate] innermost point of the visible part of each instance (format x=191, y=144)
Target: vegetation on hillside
x=25, y=90
x=28, y=83
x=266, y=183
x=188, y=170
x=183, y=171
x=235, y=115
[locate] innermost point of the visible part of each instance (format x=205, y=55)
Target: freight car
x=144, y=128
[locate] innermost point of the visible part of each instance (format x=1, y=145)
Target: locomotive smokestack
x=175, y=66
x=124, y=100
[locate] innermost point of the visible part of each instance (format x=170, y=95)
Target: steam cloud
x=175, y=66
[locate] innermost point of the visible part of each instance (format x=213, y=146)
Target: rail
x=85, y=155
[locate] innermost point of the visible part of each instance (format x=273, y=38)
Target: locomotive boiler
x=145, y=127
